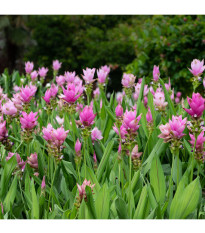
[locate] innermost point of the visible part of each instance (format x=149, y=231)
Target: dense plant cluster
x=69, y=153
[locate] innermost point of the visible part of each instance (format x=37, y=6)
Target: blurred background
x=129, y=43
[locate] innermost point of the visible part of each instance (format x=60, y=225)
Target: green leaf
x=140, y=95
x=103, y=203
x=104, y=160
x=121, y=208
x=69, y=168
x=90, y=203
x=157, y=180
x=140, y=211
x=185, y=200
x=35, y=204
x=10, y=197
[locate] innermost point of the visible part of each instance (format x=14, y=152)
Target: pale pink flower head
x=43, y=184
x=29, y=121
x=87, y=116
x=204, y=82
x=130, y=121
x=59, y=135
x=60, y=120
x=9, y=108
x=156, y=73
x=78, y=81
x=70, y=77
x=128, y=80
x=179, y=94
x=119, y=110
x=81, y=189
x=56, y=65
x=197, y=67
x=89, y=75
x=159, y=100
x=47, y=96
x=168, y=85
x=123, y=131
x=135, y=152
x=152, y=90
x=196, y=105
x=17, y=101
x=137, y=91
x=72, y=93
x=15, y=88
x=165, y=132
x=42, y=72
x=33, y=160
x=172, y=95
x=78, y=147
x=177, y=126
x=29, y=67
x=199, y=142
x=54, y=90
x=120, y=97
x=102, y=75
x=177, y=100
x=3, y=130
x=60, y=80
x=96, y=92
x=47, y=132
x=34, y=75
x=96, y=134
x=149, y=116
x=27, y=93
x=106, y=69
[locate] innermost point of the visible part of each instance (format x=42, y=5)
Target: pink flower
x=128, y=80
x=28, y=121
x=156, y=73
x=47, y=96
x=42, y=72
x=9, y=108
x=72, y=93
x=130, y=121
x=56, y=65
x=120, y=97
x=34, y=75
x=29, y=67
x=3, y=130
x=47, y=132
x=106, y=69
x=94, y=157
x=179, y=94
x=81, y=188
x=135, y=153
x=59, y=135
x=70, y=77
x=177, y=100
x=102, y=75
x=17, y=101
x=33, y=161
x=165, y=132
x=43, y=184
x=199, y=142
x=54, y=90
x=177, y=126
x=119, y=149
x=123, y=131
x=119, y=110
x=60, y=120
x=15, y=88
x=78, y=147
x=168, y=85
x=96, y=134
x=159, y=100
x=196, y=105
x=27, y=93
x=21, y=164
x=88, y=75
x=149, y=116
x=96, y=92
x=60, y=80
x=87, y=116
x=197, y=67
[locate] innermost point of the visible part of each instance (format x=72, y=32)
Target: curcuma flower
x=9, y=108
x=102, y=75
x=33, y=161
x=34, y=75
x=128, y=80
x=27, y=93
x=130, y=121
x=81, y=189
x=196, y=105
x=72, y=93
x=149, y=116
x=87, y=116
x=156, y=73
x=197, y=67
x=59, y=135
x=89, y=75
x=56, y=65
x=159, y=100
x=119, y=110
x=28, y=121
x=42, y=72
x=96, y=134
x=3, y=131
x=29, y=67
x=21, y=164
x=78, y=147
x=60, y=80
x=123, y=131
x=165, y=132
x=199, y=142
x=47, y=96
x=177, y=126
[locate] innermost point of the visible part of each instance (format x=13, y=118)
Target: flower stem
x=192, y=162
x=130, y=187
